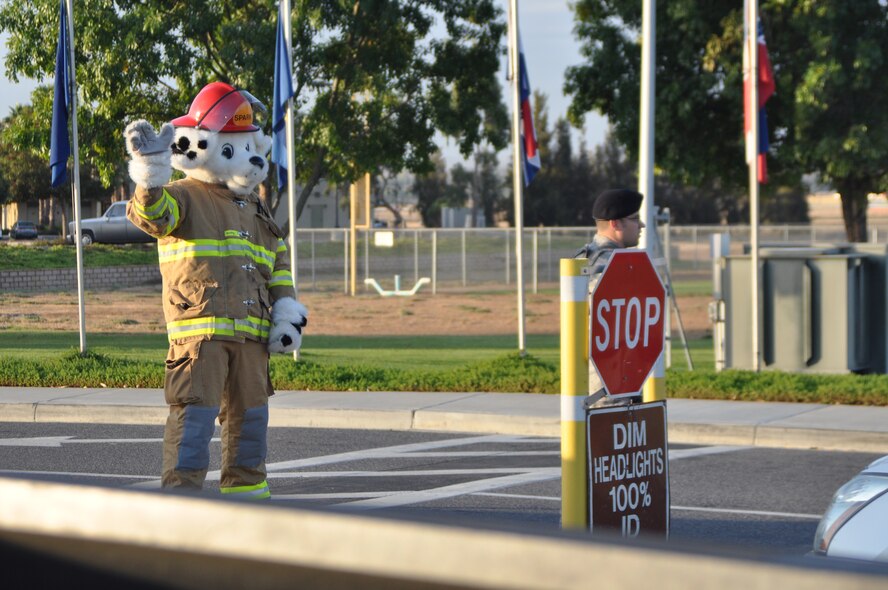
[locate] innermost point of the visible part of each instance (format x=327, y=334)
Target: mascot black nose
x=257, y=161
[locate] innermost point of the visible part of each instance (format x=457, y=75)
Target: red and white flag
x=529, y=146
x=766, y=86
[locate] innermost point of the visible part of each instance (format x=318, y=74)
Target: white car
x=856, y=523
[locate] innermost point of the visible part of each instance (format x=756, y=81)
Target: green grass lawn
x=58, y=255
x=692, y=287
x=431, y=363
x=426, y=353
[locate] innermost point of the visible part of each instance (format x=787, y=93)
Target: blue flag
x=283, y=91
x=60, y=148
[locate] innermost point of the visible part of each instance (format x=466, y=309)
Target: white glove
x=288, y=317
x=150, y=164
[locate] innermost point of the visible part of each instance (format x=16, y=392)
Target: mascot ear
x=263, y=143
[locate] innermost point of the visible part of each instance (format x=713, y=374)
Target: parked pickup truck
x=111, y=228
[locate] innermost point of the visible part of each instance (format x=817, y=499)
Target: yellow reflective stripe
x=200, y=327
x=173, y=205
x=282, y=246
x=254, y=492
x=250, y=326
x=155, y=211
x=165, y=206
x=281, y=278
x=239, y=245
x=220, y=326
x=210, y=248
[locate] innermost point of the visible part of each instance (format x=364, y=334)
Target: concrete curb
x=779, y=437
x=441, y=421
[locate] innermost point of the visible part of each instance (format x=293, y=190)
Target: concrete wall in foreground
x=65, y=279
x=195, y=543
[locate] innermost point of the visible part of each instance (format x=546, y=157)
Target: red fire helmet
x=221, y=107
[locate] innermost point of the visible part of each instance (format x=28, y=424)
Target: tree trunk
x=854, y=203
x=399, y=219
x=66, y=216
x=382, y=200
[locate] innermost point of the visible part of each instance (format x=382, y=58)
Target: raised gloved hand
x=288, y=317
x=150, y=152
x=141, y=138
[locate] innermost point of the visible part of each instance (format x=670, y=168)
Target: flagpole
x=752, y=155
x=517, y=166
x=655, y=386
x=291, y=156
x=646, y=123
x=75, y=185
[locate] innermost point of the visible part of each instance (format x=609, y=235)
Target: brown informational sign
x=629, y=469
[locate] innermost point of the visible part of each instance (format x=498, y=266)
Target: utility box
x=819, y=310
x=876, y=303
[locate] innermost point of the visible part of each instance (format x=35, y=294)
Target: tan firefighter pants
x=209, y=379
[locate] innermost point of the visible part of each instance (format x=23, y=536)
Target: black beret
x=616, y=204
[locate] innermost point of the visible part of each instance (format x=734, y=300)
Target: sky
x=549, y=48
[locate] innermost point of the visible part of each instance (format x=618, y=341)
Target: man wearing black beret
x=617, y=223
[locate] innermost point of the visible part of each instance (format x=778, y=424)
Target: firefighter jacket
x=223, y=259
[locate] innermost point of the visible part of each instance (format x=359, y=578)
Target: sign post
x=360, y=217
x=627, y=444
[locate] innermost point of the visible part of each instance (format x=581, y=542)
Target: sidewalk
x=788, y=425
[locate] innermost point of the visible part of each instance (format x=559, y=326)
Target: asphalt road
x=748, y=498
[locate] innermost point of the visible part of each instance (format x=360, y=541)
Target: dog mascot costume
x=228, y=295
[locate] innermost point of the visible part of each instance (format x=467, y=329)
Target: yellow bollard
x=655, y=386
x=574, y=389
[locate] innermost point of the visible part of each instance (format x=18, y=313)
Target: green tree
x=831, y=68
x=841, y=73
x=480, y=186
x=24, y=174
x=374, y=78
x=433, y=192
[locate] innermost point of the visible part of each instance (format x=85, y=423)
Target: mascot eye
x=248, y=147
x=227, y=151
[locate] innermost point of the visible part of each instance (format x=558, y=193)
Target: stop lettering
x=626, y=328
x=629, y=324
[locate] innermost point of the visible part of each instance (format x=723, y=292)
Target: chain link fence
x=484, y=258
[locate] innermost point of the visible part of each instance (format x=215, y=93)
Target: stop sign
x=626, y=331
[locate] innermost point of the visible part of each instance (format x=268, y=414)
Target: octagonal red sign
x=626, y=324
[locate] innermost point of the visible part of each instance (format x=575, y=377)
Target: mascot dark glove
x=288, y=317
